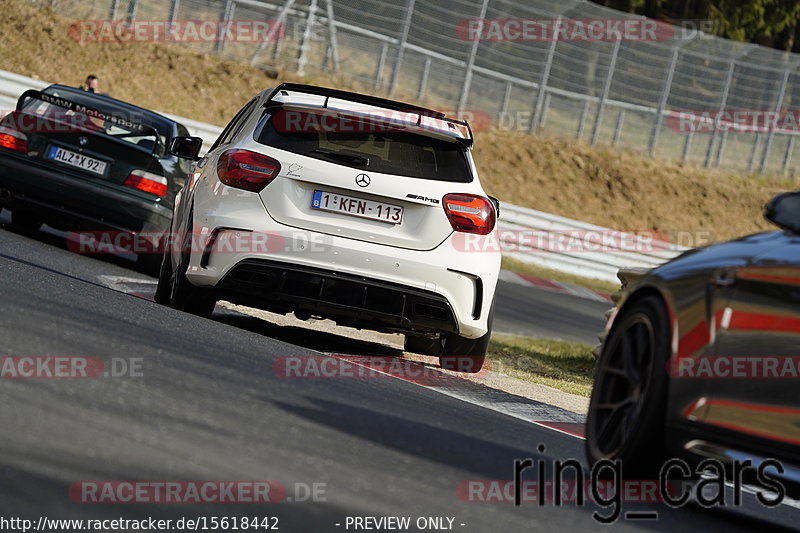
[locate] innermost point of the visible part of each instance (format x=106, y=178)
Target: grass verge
x=563, y=365
x=520, y=267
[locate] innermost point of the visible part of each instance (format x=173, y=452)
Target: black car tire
x=466, y=355
x=182, y=294
x=422, y=345
x=25, y=220
x=628, y=405
x=163, y=289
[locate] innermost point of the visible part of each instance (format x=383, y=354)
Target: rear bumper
x=70, y=202
x=350, y=300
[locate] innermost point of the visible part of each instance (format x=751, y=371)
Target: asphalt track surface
x=209, y=406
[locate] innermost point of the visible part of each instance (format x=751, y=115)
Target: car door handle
x=724, y=279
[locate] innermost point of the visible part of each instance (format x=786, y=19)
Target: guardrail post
x=787, y=155
x=506, y=97
x=462, y=101
x=582, y=120
x=723, y=101
x=771, y=131
x=423, y=80
x=686, y=144
x=226, y=15
x=536, y=122
x=381, y=64
x=545, y=108
x=275, y=34
x=173, y=11
x=721, y=147
x=618, y=127
x=752, y=160
x=334, y=44
x=606, y=88
x=130, y=16
x=304, y=43
x=401, y=45
x=662, y=102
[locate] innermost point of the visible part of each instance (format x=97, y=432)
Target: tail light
x=13, y=139
x=147, y=182
x=470, y=213
x=247, y=170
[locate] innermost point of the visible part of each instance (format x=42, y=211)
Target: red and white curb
x=555, y=286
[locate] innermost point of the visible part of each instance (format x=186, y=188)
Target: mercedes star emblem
x=362, y=180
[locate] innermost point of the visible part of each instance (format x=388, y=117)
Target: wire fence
x=680, y=93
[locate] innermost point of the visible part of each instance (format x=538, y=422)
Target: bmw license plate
x=357, y=207
x=75, y=159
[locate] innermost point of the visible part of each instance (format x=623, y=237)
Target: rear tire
x=163, y=290
x=423, y=345
x=466, y=355
x=627, y=410
x=25, y=221
x=182, y=295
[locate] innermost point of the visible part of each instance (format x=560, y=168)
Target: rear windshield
x=139, y=132
x=379, y=148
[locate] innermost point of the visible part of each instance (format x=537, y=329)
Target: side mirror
x=185, y=147
x=784, y=211
x=496, y=203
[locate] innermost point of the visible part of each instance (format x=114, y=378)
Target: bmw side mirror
x=185, y=147
x=784, y=211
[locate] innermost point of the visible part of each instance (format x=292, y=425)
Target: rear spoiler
x=65, y=103
x=462, y=129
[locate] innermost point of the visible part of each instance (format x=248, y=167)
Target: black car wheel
x=627, y=409
x=422, y=345
x=182, y=294
x=466, y=355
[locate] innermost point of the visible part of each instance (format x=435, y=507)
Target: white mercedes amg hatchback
x=331, y=204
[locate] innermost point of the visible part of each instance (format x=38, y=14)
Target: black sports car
x=78, y=160
x=701, y=357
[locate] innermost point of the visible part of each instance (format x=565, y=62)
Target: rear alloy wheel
x=25, y=221
x=627, y=409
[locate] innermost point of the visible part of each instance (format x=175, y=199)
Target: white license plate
x=77, y=160
x=357, y=207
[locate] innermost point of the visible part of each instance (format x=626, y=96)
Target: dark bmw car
x=80, y=161
x=701, y=358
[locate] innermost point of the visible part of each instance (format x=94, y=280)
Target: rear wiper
x=352, y=158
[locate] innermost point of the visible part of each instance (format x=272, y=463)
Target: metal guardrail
x=516, y=225
x=576, y=247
